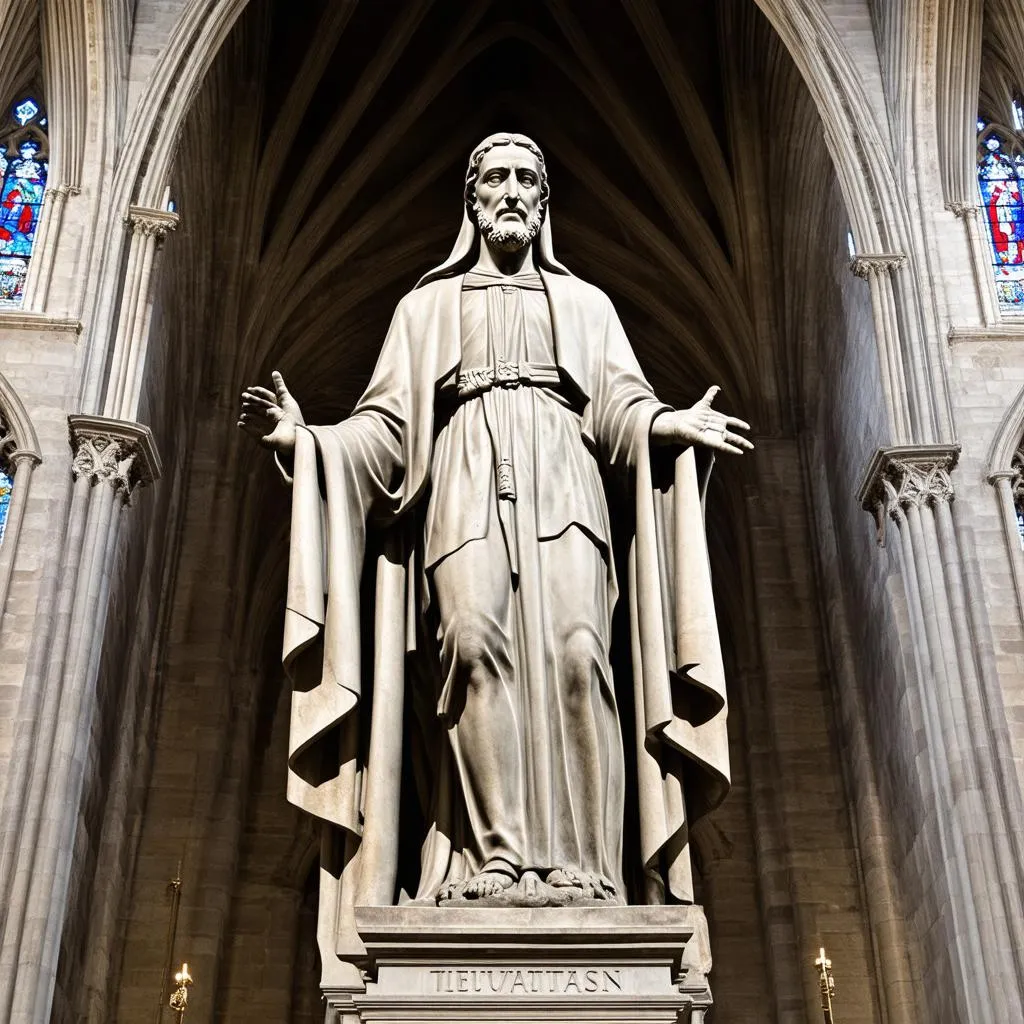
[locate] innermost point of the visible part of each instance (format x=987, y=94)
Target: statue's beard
x=511, y=239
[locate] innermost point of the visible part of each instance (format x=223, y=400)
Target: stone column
x=912, y=486
x=871, y=267
x=24, y=462
x=1009, y=485
x=148, y=230
x=44, y=248
x=112, y=459
x=981, y=259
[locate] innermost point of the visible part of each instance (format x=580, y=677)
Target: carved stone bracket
x=118, y=452
x=60, y=192
x=901, y=476
x=872, y=264
x=144, y=221
x=961, y=209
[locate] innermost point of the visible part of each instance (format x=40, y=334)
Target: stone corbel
x=112, y=451
x=962, y=210
x=904, y=475
x=872, y=264
x=151, y=223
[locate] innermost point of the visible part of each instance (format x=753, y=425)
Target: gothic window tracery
x=1017, y=488
x=1000, y=171
x=8, y=443
x=24, y=161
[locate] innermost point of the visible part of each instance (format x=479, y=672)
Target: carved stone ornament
x=907, y=475
x=61, y=191
x=961, y=209
x=1017, y=480
x=117, y=452
x=871, y=264
x=144, y=221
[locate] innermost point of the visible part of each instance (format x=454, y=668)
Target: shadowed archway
x=317, y=174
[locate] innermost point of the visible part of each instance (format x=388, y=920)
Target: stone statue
x=468, y=490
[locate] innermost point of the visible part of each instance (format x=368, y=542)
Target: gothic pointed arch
x=19, y=455
x=1000, y=173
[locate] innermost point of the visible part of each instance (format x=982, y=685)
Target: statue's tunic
x=556, y=477
x=511, y=474
x=373, y=470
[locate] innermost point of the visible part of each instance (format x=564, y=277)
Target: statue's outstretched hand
x=271, y=416
x=700, y=424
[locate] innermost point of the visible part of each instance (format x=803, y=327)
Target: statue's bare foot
x=487, y=883
x=529, y=885
x=449, y=891
x=592, y=885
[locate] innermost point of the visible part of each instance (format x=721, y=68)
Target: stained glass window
x=8, y=443
x=1000, y=170
x=6, y=484
x=23, y=166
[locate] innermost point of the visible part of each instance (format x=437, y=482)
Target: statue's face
x=507, y=204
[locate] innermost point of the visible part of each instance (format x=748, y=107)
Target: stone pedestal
x=533, y=966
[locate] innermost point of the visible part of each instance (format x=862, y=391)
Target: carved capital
x=20, y=455
x=117, y=452
x=903, y=476
x=873, y=264
x=144, y=221
x=963, y=210
x=60, y=192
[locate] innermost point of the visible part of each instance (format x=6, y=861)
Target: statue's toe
x=487, y=883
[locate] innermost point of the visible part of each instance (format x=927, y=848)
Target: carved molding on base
x=529, y=966
x=118, y=452
x=904, y=475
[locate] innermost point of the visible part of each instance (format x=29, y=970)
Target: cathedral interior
x=781, y=198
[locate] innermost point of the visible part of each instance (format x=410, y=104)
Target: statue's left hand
x=700, y=424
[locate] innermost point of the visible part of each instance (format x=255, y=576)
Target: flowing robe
x=375, y=468
x=517, y=530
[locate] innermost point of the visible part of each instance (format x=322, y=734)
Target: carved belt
x=505, y=374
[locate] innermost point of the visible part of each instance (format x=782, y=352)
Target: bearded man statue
x=474, y=470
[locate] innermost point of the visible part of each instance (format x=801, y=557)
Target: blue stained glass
x=999, y=181
x=6, y=485
x=25, y=111
x=21, y=200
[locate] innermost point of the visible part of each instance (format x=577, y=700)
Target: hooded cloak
x=371, y=472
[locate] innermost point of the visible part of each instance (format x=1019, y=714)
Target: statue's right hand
x=271, y=416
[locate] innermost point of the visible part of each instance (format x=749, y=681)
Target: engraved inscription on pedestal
x=530, y=966
x=538, y=980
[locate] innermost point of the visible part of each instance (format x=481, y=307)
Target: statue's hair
x=505, y=139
